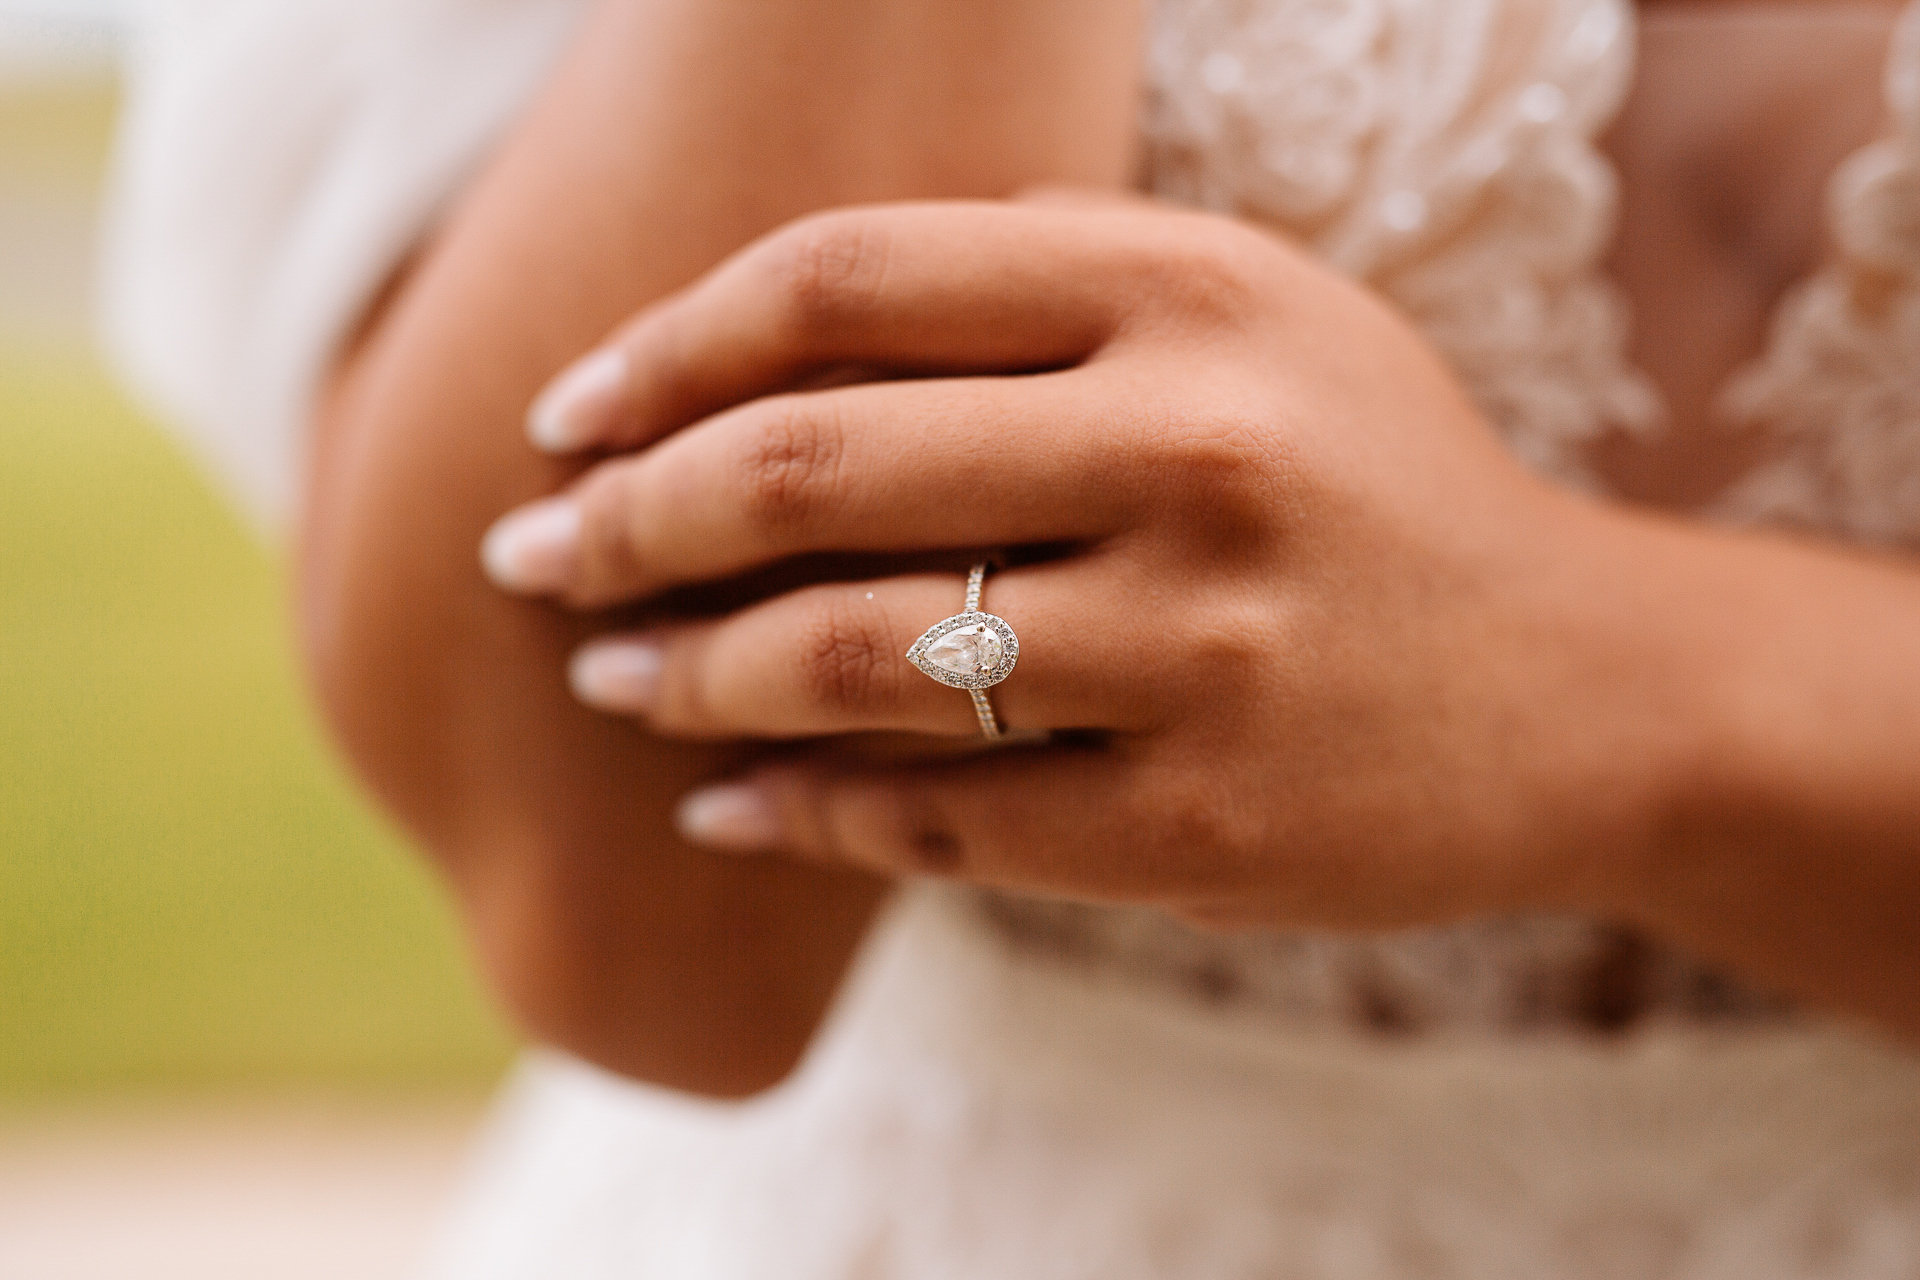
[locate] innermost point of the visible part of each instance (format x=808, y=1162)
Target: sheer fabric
x=1836, y=395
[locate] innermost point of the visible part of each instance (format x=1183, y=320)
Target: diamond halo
x=979, y=665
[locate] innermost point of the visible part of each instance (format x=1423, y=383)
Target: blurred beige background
x=237, y=1034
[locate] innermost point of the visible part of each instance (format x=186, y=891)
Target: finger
x=832, y=660
x=937, y=287
x=1065, y=195
x=917, y=466
x=1079, y=822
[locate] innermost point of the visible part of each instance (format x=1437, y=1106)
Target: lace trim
x=1836, y=395
x=1515, y=975
x=1445, y=153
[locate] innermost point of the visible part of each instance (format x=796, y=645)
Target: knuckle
x=788, y=463
x=1206, y=276
x=1199, y=816
x=1223, y=462
x=893, y=829
x=932, y=850
x=1230, y=642
x=924, y=842
x=826, y=266
x=844, y=662
x=661, y=363
x=613, y=532
x=691, y=694
x=1229, y=469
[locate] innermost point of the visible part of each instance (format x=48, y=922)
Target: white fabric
x=979, y=1108
x=974, y=1114
x=1836, y=392
x=277, y=160
x=1442, y=152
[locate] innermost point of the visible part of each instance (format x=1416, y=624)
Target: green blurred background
x=192, y=896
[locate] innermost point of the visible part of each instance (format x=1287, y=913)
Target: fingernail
x=534, y=548
x=616, y=675
x=729, y=816
x=573, y=409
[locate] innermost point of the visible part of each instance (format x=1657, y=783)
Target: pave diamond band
x=971, y=650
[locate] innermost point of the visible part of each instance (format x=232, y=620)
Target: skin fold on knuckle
x=1199, y=838
x=787, y=467
x=693, y=691
x=827, y=269
x=1206, y=280
x=1223, y=641
x=1230, y=456
x=1216, y=465
x=660, y=387
x=847, y=667
x=910, y=835
x=615, y=518
x=875, y=823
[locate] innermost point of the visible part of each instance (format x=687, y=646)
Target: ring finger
x=832, y=659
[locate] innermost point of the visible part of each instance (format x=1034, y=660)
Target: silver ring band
x=971, y=650
x=983, y=710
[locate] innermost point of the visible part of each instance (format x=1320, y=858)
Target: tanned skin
x=674, y=132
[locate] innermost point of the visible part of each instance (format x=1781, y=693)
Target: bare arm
x=674, y=132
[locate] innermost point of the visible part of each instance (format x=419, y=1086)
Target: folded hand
x=1312, y=648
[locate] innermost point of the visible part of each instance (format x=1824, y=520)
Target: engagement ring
x=971, y=650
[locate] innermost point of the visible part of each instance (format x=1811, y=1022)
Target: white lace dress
x=1017, y=1089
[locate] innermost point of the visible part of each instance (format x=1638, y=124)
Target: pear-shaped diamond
x=969, y=651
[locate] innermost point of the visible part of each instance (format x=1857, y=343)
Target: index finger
x=947, y=287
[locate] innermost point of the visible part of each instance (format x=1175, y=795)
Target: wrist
x=1760, y=708
x=1636, y=623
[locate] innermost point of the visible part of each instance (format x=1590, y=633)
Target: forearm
x=1787, y=843
x=673, y=133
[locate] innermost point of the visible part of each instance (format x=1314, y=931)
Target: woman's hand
x=1332, y=656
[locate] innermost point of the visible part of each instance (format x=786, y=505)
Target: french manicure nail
x=573, y=409
x=616, y=675
x=729, y=816
x=533, y=549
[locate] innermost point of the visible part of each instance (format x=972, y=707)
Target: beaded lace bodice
x=1443, y=153
x=1446, y=154
x=1837, y=394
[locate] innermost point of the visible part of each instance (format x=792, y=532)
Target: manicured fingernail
x=574, y=408
x=616, y=675
x=533, y=549
x=729, y=816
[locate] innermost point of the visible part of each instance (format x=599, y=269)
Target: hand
x=1331, y=656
